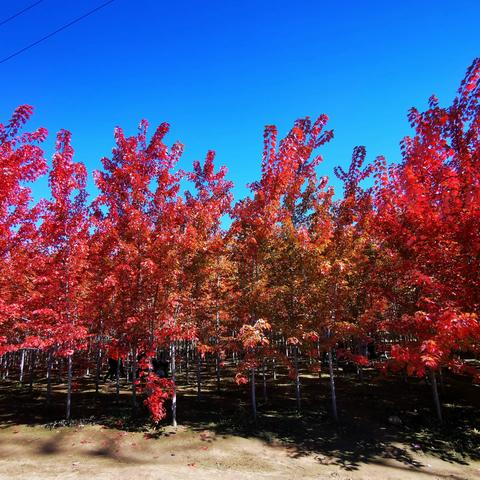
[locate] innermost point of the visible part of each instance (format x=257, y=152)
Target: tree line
x=390, y=270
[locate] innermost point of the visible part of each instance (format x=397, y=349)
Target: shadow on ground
x=364, y=433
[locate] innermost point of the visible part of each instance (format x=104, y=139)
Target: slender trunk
x=187, y=364
x=60, y=364
x=440, y=380
x=134, y=380
x=6, y=359
x=87, y=370
x=181, y=349
x=33, y=357
x=217, y=341
x=360, y=373
x=49, y=377
x=264, y=373
x=22, y=365
x=274, y=368
x=117, y=381
x=69, y=388
x=332, y=385
x=253, y=395
x=297, y=380
x=436, y=398
x=217, y=369
x=319, y=361
x=199, y=376
x=174, y=397
x=97, y=369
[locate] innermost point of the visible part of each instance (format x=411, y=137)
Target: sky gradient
x=218, y=71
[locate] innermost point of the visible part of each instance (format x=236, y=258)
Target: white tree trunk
x=22, y=365
x=174, y=397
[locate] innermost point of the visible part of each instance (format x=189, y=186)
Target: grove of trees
x=387, y=269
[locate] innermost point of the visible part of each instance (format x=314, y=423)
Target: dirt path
x=100, y=453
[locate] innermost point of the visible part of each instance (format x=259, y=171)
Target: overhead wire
x=15, y=15
x=58, y=30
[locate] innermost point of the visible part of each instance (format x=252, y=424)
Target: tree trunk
x=69, y=387
x=49, y=377
x=22, y=365
x=440, y=380
x=360, y=373
x=87, y=370
x=217, y=369
x=5, y=360
x=264, y=373
x=332, y=385
x=253, y=395
x=319, y=361
x=436, y=398
x=174, y=397
x=33, y=357
x=199, y=376
x=217, y=341
x=60, y=363
x=297, y=380
x=117, y=382
x=187, y=363
x=97, y=369
x=134, y=380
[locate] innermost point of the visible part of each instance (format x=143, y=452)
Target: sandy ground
x=94, y=452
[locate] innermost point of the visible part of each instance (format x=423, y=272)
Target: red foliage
x=149, y=264
x=158, y=391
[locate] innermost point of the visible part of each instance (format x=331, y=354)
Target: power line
x=15, y=15
x=18, y=52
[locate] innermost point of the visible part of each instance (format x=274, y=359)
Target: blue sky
x=218, y=71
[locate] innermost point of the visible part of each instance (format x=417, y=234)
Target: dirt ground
x=218, y=440
x=102, y=453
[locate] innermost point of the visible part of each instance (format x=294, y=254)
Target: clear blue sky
x=218, y=71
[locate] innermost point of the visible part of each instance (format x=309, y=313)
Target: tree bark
x=134, y=380
x=69, y=388
x=49, y=377
x=199, y=374
x=97, y=369
x=253, y=396
x=332, y=385
x=117, y=381
x=33, y=358
x=217, y=369
x=264, y=373
x=187, y=363
x=436, y=398
x=174, y=397
x=22, y=365
x=297, y=381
